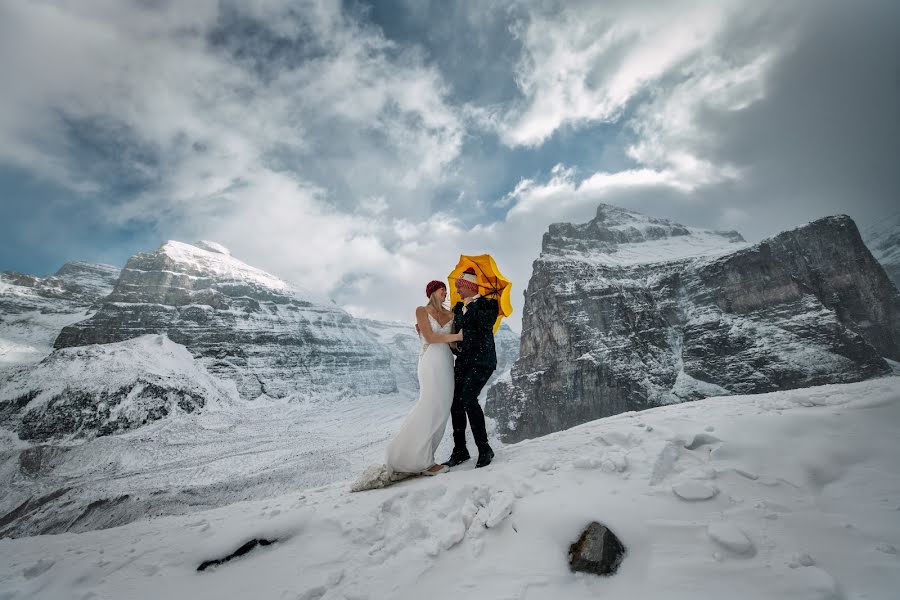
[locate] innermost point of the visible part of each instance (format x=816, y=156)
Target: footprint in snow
x=731, y=538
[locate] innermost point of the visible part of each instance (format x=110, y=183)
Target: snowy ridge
x=619, y=237
x=219, y=263
x=703, y=496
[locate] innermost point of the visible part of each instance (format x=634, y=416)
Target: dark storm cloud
x=826, y=137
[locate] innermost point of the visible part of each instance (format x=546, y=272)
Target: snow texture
x=807, y=509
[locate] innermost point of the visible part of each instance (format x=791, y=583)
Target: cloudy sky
x=358, y=148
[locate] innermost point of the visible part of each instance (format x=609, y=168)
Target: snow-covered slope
x=789, y=495
x=105, y=389
x=33, y=310
x=883, y=240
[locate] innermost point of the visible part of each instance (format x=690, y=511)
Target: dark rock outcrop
x=597, y=551
x=613, y=326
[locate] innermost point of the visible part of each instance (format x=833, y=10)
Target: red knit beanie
x=434, y=285
x=469, y=279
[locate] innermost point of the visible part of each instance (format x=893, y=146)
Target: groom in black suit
x=476, y=359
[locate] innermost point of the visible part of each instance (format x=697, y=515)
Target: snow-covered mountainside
x=240, y=323
x=506, y=342
x=627, y=312
x=403, y=343
x=34, y=309
x=105, y=389
x=883, y=240
x=791, y=494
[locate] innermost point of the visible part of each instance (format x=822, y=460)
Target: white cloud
x=585, y=61
x=323, y=166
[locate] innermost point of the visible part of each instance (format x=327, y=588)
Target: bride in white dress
x=412, y=450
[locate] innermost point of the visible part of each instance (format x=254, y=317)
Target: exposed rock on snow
x=597, y=551
x=627, y=312
x=241, y=323
x=244, y=549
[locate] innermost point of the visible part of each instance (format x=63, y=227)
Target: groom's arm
x=457, y=326
x=487, y=312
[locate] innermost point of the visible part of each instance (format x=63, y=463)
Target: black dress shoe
x=457, y=459
x=484, y=458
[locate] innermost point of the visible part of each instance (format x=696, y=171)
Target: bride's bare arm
x=430, y=336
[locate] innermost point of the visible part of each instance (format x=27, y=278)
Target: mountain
x=627, y=312
x=34, y=309
x=788, y=495
x=883, y=240
x=506, y=342
x=240, y=323
x=105, y=389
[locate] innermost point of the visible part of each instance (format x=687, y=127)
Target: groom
x=475, y=361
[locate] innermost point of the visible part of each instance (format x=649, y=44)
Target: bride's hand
x=459, y=336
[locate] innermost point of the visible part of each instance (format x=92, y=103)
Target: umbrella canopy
x=491, y=283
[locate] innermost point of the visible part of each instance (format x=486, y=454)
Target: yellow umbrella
x=491, y=283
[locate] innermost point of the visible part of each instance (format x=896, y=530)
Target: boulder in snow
x=597, y=551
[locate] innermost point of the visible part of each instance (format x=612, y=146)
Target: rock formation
x=627, y=312
x=241, y=323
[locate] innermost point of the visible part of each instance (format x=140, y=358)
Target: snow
x=807, y=507
x=97, y=368
x=698, y=243
x=620, y=237
x=31, y=316
x=213, y=259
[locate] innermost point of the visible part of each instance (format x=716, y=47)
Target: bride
x=412, y=450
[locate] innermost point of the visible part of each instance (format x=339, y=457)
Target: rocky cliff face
x=240, y=323
x=626, y=312
x=34, y=309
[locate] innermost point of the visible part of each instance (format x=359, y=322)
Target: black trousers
x=468, y=382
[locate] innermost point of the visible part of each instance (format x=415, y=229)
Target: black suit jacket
x=477, y=324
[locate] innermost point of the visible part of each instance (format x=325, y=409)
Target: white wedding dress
x=412, y=450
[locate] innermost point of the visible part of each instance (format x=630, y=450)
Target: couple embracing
x=448, y=390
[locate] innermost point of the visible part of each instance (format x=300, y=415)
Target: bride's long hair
x=436, y=303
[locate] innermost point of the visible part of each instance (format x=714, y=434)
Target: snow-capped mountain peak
x=617, y=236
x=209, y=258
